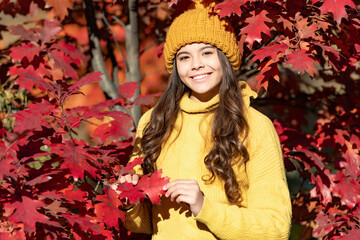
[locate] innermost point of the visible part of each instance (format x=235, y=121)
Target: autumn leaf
x=352, y=234
x=127, y=90
x=268, y=72
x=114, y=130
x=75, y=87
x=301, y=62
x=70, y=50
x=326, y=223
x=347, y=189
x=229, y=7
x=32, y=118
x=75, y=158
x=146, y=99
x=130, y=166
x=49, y=31
x=70, y=194
x=336, y=7
x=351, y=165
x=43, y=85
x=130, y=192
x=84, y=222
x=323, y=186
x=55, y=208
x=27, y=50
x=60, y=7
x=153, y=186
x=271, y=51
x=26, y=213
x=256, y=26
x=63, y=62
x=108, y=208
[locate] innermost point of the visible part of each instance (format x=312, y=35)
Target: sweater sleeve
x=138, y=219
x=268, y=212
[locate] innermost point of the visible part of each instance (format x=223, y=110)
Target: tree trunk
x=132, y=55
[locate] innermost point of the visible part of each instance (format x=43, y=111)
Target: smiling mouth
x=199, y=78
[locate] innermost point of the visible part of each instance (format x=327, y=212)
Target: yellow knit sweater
x=267, y=209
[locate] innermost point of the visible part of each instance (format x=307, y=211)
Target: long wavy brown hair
x=229, y=129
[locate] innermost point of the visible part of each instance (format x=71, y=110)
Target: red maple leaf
x=60, y=7
x=49, y=31
x=108, y=209
x=268, y=72
x=301, y=62
x=351, y=164
x=5, y=161
x=27, y=50
x=115, y=130
x=336, y=7
x=305, y=28
x=75, y=87
x=130, y=166
x=347, y=189
x=270, y=51
x=229, y=7
x=325, y=224
x=25, y=34
x=43, y=85
x=324, y=185
x=146, y=99
x=353, y=234
x=75, y=158
x=70, y=50
x=32, y=118
x=85, y=222
x=127, y=90
x=256, y=25
x=27, y=214
x=63, y=62
x=130, y=192
x=69, y=194
x=153, y=186
x=22, y=80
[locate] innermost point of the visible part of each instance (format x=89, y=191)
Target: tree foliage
x=301, y=57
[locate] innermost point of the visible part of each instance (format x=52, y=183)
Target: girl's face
x=199, y=68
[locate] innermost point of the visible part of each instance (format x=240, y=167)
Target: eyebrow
x=201, y=49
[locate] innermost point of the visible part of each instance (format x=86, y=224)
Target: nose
x=197, y=63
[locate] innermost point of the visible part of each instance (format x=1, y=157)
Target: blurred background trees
x=302, y=57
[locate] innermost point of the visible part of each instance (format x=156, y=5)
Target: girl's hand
x=186, y=191
x=129, y=178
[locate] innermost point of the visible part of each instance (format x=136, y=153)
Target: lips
x=200, y=77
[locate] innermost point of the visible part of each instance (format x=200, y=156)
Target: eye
x=183, y=57
x=207, y=53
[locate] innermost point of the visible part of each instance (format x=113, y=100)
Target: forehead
x=195, y=47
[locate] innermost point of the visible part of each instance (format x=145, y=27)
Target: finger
x=135, y=179
x=174, y=193
x=179, y=182
x=122, y=179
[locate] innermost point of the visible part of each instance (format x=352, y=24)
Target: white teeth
x=200, y=77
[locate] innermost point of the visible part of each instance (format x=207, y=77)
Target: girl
x=223, y=156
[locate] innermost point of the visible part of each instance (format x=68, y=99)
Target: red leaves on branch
x=336, y=7
x=301, y=62
x=256, y=26
x=108, y=208
x=25, y=212
x=56, y=185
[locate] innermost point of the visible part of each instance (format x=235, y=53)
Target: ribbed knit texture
x=201, y=25
x=267, y=210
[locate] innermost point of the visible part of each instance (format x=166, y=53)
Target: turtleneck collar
x=190, y=106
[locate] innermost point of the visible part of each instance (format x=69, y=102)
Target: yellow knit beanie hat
x=201, y=25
